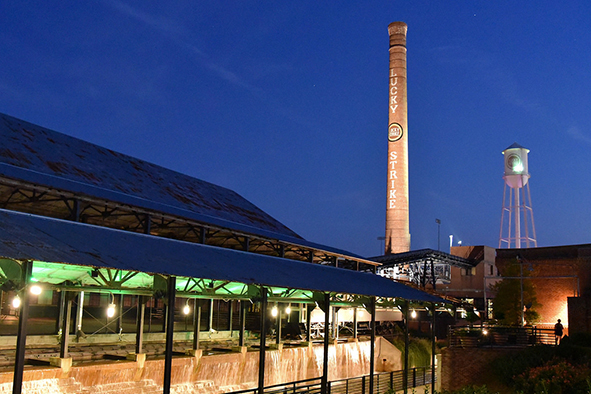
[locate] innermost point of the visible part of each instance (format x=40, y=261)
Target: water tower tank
x=516, y=168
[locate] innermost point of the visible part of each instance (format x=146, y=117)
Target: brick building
x=473, y=284
x=557, y=272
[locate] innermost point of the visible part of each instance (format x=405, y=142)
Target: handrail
x=383, y=382
x=499, y=336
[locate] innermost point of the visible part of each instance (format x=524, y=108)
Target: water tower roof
x=516, y=146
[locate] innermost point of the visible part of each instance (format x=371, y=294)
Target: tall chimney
x=397, y=219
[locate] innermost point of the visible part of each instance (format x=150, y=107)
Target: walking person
x=558, y=332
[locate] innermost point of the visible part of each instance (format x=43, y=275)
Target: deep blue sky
x=285, y=102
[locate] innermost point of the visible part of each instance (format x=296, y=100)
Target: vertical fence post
x=392, y=381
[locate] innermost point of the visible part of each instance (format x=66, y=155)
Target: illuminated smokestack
x=397, y=227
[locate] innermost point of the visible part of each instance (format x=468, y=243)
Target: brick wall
x=557, y=273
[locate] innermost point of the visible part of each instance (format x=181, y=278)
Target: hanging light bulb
x=111, y=307
x=186, y=309
x=274, y=311
x=35, y=289
x=288, y=309
x=16, y=302
x=111, y=310
x=413, y=314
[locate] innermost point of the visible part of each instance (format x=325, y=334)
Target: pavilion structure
x=77, y=219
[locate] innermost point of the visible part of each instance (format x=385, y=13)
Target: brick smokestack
x=397, y=218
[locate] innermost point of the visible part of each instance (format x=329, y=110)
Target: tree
x=507, y=303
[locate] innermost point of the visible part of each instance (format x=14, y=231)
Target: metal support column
x=79, y=315
x=164, y=314
x=278, y=326
x=65, y=339
x=120, y=314
x=210, y=321
x=355, y=322
x=170, y=296
x=139, y=324
x=62, y=307
x=241, y=338
x=230, y=316
x=406, y=345
x=261, y=388
x=21, y=338
x=372, y=352
x=309, y=309
x=196, y=323
x=324, y=381
x=433, y=277
x=433, y=348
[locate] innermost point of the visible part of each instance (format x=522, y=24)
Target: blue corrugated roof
x=45, y=157
x=30, y=237
x=57, y=160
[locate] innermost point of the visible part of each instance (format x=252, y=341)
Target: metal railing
x=499, y=336
x=383, y=382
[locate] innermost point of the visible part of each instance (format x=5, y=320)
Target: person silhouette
x=558, y=332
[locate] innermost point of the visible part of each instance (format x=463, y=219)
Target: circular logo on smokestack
x=394, y=132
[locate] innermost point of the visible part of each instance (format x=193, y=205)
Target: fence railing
x=499, y=336
x=383, y=382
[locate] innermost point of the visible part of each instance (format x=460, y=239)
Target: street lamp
x=438, y=233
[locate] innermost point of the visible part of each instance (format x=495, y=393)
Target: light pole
x=438, y=233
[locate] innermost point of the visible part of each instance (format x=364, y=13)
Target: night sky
x=286, y=103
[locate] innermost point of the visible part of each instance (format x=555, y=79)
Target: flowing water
x=206, y=375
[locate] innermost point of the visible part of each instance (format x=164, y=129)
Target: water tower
x=517, y=217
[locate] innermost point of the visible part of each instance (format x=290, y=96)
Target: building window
x=468, y=271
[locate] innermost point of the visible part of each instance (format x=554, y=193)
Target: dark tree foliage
x=507, y=303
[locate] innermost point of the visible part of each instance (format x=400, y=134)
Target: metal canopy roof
x=31, y=237
x=35, y=155
x=423, y=255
